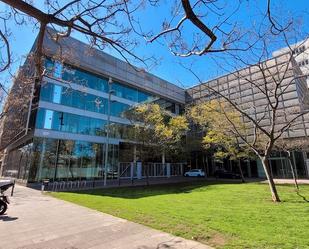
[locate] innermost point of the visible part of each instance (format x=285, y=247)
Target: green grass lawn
x=222, y=215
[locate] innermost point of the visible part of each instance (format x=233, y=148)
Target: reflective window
x=69, y=97
x=87, y=79
x=57, y=94
x=76, y=160
x=57, y=69
x=67, y=122
x=48, y=119
x=84, y=78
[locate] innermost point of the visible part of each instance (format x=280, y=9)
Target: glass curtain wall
x=18, y=162
x=72, y=123
x=68, y=160
x=65, y=96
x=78, y=76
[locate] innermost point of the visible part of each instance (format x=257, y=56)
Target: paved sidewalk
x=36, y=221
x=290, y=181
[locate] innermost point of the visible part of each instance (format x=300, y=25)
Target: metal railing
x=129, y=170
x=126, y=170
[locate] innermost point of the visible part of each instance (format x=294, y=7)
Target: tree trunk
x=241, y=173
x=293, y=171
x=204, y=166
x=271, y=183
x=144, y=163
x=207, y=166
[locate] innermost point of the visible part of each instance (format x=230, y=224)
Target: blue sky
x=169, y=68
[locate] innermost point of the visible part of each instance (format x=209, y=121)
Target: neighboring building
x=300, y=50
x=238, y=87
x=61, y=134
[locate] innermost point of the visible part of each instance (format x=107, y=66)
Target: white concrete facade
x=300, y=51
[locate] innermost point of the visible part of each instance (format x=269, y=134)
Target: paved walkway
x=36, y=221
x=290, y=181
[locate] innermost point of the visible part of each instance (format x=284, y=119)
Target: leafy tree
x=219, y=136
x=157, y=129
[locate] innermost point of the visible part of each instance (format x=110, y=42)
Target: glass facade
x=65, y=96
x=18, y=162
x=55, y=159
x=63, y=160
x=72, y=123
x=90, y=80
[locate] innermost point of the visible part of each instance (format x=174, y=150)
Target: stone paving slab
x=37, y=221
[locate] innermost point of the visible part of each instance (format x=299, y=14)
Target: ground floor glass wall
x=17, y=162
x=281, y=168
x=55, y=159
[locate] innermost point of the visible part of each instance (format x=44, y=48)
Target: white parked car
x=195, y=172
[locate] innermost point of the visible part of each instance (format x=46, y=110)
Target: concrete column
x=168, y=170
x=139, y=170
x=4, y=161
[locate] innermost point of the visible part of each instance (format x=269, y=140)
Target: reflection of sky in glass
x=48, y=119
x=58, y=69
x=57, y=94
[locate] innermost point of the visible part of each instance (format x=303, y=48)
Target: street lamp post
x=110, y=91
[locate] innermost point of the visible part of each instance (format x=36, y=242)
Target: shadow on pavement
x=171, y=244
x=8, y=218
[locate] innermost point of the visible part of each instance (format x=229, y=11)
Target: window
x=84, y=78
x=57, y=94
x=67, y=122
x=48, y=119
x=57, y=69
x=46, y=92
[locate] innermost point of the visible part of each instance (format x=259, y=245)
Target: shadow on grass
x=302, y=196
x=135, y=192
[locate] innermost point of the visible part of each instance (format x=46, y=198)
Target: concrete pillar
x=139, y=170
x=168, y=170
x=4, y=161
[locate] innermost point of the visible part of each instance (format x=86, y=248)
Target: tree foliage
x=155, y=126
x=220, y=120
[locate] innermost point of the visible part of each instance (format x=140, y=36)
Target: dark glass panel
x=40, y=119
x=46, y=92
